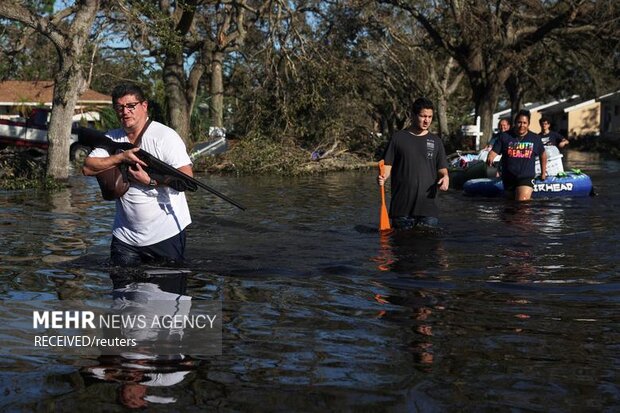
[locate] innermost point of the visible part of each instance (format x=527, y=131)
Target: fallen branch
x=318, y=154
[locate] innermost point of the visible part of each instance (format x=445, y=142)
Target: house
x=556, y=113
x=575, y=117
x=582, y=119
x=553, y=110
x=17, y=95
x=610, y=114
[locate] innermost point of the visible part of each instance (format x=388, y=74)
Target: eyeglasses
x=129, y=106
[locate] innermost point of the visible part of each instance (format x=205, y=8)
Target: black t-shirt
x=519, y=154
x=415, y=161
x=551, y=138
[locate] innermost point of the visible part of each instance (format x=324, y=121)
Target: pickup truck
x=31, y=132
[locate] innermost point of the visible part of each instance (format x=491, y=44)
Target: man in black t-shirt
x=416, y=161
x=550, y=137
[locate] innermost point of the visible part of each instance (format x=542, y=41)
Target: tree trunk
x=442, y=114
x=515, y=90
x=485, y=98
x=217, y=90
x=177, y=106
x=486, y=89
x=485, y=111
x=445, y=83
x=69, y=83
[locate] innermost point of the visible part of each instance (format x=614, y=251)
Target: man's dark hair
x=421, y=103
x=127, y=89
x=544, y=119
x=522, y=112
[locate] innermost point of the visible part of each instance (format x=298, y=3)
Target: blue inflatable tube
x=568, y=184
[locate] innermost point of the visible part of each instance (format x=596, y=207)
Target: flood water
x=510, y=307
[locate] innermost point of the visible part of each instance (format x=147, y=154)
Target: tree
x=227, y=30
x=25, y=55
x=188, y=39
x=489, y=39
x=412, y=66
x=303, y=76
x=162, y=30
x=68, y=30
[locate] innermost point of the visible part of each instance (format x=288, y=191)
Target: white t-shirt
x=145, y=215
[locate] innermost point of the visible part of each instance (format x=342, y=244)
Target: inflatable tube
x=483, y=187
x=568, y=184
x=474, y=170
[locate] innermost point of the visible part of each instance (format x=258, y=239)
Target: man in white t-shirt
x=150, y=220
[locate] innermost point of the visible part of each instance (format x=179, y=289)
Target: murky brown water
x=509, y=307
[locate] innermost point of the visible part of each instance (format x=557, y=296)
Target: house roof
x=610, y=96
x=563, y=105
x=18, y=92
x=548, y=106
x=607, y=97
x=579, y=105
x=558, y=105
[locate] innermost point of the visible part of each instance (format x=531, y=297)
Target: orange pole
x=384, y=219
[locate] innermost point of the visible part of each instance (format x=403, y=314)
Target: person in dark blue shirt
x=519, y=149
x=550, y=137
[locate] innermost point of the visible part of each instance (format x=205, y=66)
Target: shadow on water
x=510, y=306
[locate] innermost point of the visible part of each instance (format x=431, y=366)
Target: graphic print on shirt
x=520, y=149
x=430, y=148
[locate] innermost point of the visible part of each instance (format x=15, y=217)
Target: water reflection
x=140, y=374
x=415, y=252
x=515, y=265
x=421, y=306
x=521, y=217
x=139, y=383
x=385, y=258
x=553, y=220
x=65, y=240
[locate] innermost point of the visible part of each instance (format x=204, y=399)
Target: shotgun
x=166, y=173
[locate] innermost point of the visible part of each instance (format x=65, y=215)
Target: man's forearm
x=93, y=166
